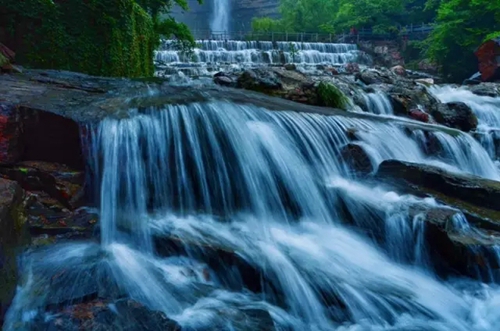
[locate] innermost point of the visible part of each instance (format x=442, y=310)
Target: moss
x=330, y=96
x=104, y=38
x=3, y=60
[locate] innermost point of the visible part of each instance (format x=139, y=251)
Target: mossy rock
x=331, y=96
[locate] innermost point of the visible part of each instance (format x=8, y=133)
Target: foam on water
x=486, y=109
x=268, y=188
x=258, y=52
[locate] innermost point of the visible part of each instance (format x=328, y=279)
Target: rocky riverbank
x=407, y=91
x=44, y=186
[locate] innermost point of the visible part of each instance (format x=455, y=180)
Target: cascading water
x=265, y=188
x=378, y=103
x=220, y=16
x=486, y=110
x=220, y=54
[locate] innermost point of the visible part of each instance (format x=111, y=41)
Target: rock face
x=454, y=246
x=455, y=115
x=471, y=189
x=13, y=235
x=103, y=316
x=260, y=80
x=485, y=89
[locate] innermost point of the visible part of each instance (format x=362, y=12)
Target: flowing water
x=220, y=16
x=270, y=190
x=217, y=55
x=486, y=109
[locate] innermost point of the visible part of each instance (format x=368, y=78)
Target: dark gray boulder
x=456, y=115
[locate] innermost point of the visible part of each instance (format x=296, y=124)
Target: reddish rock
x=10, y=133
x=419, y=115
x=333, y=71
x=352, y=68
x=59, y=182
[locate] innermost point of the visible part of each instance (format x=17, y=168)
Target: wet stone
x=97, y=315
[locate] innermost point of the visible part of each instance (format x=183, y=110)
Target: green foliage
x=330, y=96
x=170, y=28
x=266, y=24
x=108, y=38
x=336, y=16
x=462, y=25
x=98, y=37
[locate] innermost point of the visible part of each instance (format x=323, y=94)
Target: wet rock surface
x=455, y=115
x=14, y=236
x=482, y=192
x=357, y=159
x=49, y=194
x=98, y=315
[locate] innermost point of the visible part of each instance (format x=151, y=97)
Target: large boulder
x=373, y=76
x=461, y=234
x=468, y=188
x=485, y=89
x=406, y=95
x=456, y=115
x=476, y=197
x=29, y=134
x=13, y=236
x=260, y=80
x=224, y=79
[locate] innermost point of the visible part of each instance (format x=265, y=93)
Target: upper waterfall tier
x=258, y=52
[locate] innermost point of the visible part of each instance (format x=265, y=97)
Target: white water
x=486, y=110
x=379, y=103
x=274, y=181
x=220, y=16
x=216, y=55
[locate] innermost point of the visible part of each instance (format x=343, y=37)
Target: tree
x=461, y=26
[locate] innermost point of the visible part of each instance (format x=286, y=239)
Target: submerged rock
x=13, y=236
x=456, y=115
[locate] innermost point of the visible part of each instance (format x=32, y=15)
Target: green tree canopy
x=461, y=26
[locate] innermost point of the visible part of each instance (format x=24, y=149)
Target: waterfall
x=266, y=188
x=227, y=54
x=484, y=107
x=220, y=16
x=379, y=103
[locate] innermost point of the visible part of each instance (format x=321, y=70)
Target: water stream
x=267, y=189
x=220, y=17
x=486, y=110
